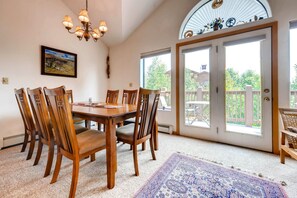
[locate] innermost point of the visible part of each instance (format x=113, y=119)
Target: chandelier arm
x=70, y=31
x=94, y=39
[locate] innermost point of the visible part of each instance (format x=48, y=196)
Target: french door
x=225, y=90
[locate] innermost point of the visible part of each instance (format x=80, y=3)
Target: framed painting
x=56, y=62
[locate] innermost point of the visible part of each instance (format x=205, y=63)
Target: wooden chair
x=135, y=134
x=129, y=96
x=70, y=145
x=43, y=125
x=289, y=133
x=70, y=99
x=30, y=130
x=112, y=96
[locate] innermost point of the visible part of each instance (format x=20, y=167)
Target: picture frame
x=55, y=62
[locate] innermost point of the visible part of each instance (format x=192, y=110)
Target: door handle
x=267, y=99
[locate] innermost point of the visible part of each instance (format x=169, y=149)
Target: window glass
x=293, y=65
x=155, y=73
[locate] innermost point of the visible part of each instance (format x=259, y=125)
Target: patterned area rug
x=182, y=176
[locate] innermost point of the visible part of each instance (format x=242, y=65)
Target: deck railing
x=242, y=107
x=293, y=99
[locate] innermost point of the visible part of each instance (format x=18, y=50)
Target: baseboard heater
x=12, y=140
x=165, y=128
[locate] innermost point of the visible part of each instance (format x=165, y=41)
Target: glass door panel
x=197, y=95
x=196, y=86
x=244, y=83
x=243, y=88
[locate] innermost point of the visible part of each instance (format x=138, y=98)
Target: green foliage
x=156, y=77
x=234, y=81
x=294, y=81
x=250, y=78
x=190, y=82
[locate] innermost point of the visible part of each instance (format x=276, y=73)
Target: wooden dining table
x=110, y=115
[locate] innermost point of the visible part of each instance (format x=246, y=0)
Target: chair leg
x=99, y=126
x=93, y=157
x=143, y=146
x=152, y=148
x=75, y=172
x=155, y=136
x=50, y=157
x=32, y=144
x=86, y=124
x=135, y=160
x=120, y=124
x=39, y=151
x=26, y=137
x=131, y=147
x=57, y=167
x=282, y=156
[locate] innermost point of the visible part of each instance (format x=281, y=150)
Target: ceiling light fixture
x=216, y=4
x=85, y=31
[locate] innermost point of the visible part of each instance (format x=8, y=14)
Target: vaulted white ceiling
x=122, y=16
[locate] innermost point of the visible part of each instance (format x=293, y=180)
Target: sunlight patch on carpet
x=183, y=176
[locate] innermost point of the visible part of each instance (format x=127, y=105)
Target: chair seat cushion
x=125, y=132
x=131, y=120
x=90, y=140
x=79, y=129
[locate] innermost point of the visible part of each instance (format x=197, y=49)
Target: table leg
x=111, y=156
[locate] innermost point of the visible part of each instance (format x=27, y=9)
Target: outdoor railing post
x=249, y=108
x=199, y=94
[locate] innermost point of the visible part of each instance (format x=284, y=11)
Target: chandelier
x=85, y=30
x=216, y=4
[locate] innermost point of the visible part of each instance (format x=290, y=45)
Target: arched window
x=204, y=18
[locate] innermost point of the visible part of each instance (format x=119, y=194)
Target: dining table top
x=103, y=109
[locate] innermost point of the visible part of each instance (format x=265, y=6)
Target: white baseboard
x=11, y=140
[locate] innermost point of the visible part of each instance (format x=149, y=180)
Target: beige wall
x=24, y=27
x=161, y=31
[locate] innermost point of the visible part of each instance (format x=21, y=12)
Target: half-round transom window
x=204, y=18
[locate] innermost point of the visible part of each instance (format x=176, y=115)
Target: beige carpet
x=18, y=178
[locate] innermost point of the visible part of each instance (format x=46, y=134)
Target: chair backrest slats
x=69, y=95
x=40, y=112
x=146, y=112
x=129, y=96
x=289, y=117
x=60, y=112
x=112, y=96
x=24, y=109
